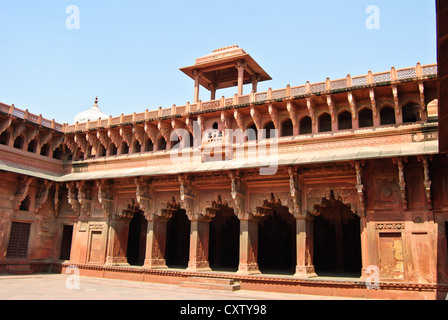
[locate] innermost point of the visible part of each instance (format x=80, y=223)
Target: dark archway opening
x=4, y=138
x=305, y=126
x=161, y=144
x=336, y=239
x=411, y=113
x=365, y=118
x=287, y=128
x=137, y=239
x=224, y=240
x=276, y=240
x=325, y=123
x=178, y=240
x=66, y=242
x=25, y=204
x=252, y=132
x=270, y=131
x=345, y=121
x=387, y=116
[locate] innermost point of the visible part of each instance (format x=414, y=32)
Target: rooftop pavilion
x=223, y=68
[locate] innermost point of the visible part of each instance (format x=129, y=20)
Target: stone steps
x=19, y=269
x=211, y=284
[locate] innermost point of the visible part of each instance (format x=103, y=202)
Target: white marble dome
x=92, y=114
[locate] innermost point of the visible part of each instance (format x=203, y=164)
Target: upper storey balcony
x=375, y=110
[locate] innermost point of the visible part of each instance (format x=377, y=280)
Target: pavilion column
x=241, y=64
x=255, y=79
x=248, y=246
x=213, y=92
x=364, y=247
x=304, y=240
x=156, y=242
x=199, y=243
x=196, y=75
x=118, y=241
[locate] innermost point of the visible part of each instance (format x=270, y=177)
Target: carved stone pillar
x=248, y=263
x=199, y=243
x=118, y=241
x=304, y=238
x=241, y=64
x=304, y=229
x=156, y=243
x=248, y=245
x=118, y=237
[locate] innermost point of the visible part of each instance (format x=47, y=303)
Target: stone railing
x=25, y=115
x=370, y=79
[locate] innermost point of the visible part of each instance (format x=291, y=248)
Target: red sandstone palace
x=358, y=189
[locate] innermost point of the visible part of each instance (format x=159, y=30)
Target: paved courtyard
x=61, y=287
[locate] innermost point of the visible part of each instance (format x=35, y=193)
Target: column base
x=116, y=262
x=246, y=269
x=155, y=264
x=305, y=272
x=195, y=266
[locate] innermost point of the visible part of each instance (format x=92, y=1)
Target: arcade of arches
x=223, y=238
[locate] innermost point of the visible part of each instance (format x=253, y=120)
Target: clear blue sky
x=128, y=53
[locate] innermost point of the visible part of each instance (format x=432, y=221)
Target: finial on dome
x=96, y=100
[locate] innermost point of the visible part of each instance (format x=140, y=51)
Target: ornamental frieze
x=389, y=226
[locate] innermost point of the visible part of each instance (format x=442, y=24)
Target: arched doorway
x=178, y=239
x=336, y=239
x=276, y=238
x=137, y=239
x=224, y=237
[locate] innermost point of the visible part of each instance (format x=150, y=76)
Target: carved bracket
x=115, y=137
x=165, y=130
x=273, y=112
x=144, y=195
x=105, y=197
x=127, y=136
x=84, y=197
x=240, y=119
x=72, y=197
x=22, y=190
x=295, y=192
x=311, y=109
x=332, y=108
x=238, y=194
x=42, y=194
x=57, y=201
x=187, y=196
x=401, y=180
x=373, y=102
x=256, y=116
x=5, y=124
x=103, y=138
x=352, y=103
x=292, y=110
x=360, y=189
x=427, y=181
x=396, y=100
x=152, y=132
